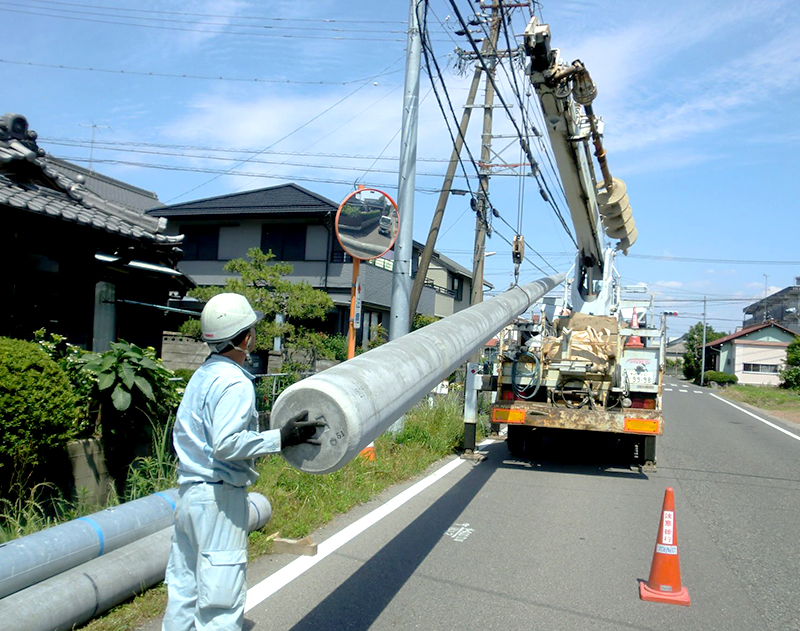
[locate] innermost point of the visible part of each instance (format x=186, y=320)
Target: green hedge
x=37, y=409
x=722, y=378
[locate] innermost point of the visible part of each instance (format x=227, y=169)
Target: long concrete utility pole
x=400, y=320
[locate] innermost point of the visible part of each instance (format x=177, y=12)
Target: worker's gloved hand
x=300, y=430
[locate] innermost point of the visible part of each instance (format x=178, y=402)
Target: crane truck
x=591, y=359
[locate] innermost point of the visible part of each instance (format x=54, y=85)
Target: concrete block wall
x=179, y=351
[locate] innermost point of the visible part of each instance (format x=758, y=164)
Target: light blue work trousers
x=208, y=559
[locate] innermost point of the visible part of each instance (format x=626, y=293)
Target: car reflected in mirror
x=367, y=224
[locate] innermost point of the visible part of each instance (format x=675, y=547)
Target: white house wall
x=316, y=243
x=235, y=241
x=758, y=353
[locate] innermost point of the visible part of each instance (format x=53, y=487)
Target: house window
x=338, y=255
x=770, y=368
x=457, y=285
x=201, y=243
x=287, y=241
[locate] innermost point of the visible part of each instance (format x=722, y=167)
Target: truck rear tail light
x=643, y=404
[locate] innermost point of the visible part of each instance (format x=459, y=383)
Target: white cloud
x=672, y=284
x=655, y=112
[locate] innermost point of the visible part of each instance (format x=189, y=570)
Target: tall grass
x=29, y=510
x=156, y=472
x=41, y=507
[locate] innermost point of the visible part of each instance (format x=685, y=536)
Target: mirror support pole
x=351, y=331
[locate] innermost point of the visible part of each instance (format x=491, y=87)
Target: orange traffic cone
x=368, y=452
x=664, y=584
x=634, y=341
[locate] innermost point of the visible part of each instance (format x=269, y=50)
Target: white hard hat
x=225, y=316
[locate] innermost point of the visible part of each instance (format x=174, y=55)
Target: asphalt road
x=560, y=542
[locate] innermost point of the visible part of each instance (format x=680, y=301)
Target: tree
x=693, y=358
x=790, y=375
x=262, y=282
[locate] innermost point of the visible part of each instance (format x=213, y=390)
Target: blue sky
x=698, y=99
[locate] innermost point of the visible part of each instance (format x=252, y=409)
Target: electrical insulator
x=518, y=249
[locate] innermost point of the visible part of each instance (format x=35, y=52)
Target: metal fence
x=269, y=386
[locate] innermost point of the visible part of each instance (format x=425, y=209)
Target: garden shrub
x=721, y=378
x=137, y=396
x=37, y=410
x=790, y=378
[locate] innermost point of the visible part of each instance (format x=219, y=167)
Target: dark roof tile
x=45, y=189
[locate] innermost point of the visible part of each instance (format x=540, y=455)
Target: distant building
x=297, y=225
x=755, y=354
x=782, y=307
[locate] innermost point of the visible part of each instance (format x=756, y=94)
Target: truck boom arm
x=566, y=92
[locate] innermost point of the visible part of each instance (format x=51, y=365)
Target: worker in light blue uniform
x=216, y=439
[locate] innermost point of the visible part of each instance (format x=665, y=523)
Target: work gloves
x=300, y=430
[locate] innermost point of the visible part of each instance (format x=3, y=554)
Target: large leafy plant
x=137, y=395
x=130, y=373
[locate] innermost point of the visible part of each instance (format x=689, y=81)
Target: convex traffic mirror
x=367, y=223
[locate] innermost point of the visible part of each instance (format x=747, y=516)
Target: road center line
x=683, y=391
x=758, y=418
x=263, y=590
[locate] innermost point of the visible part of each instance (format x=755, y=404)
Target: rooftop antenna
x=94, y=127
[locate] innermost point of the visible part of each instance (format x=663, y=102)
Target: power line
x=221, y=172
x=111, y=144
x=304, y=36
x=294, y=131
x=148, y=73
x=534, y=164
x=254, y=160
x=683, y=259
x=495, y=213
x=212, y=15
x=110, y=12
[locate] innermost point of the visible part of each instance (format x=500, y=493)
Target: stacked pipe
x=128, y=551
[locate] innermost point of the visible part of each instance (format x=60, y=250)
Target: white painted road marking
x=698, y=391
x=668, y=389
x=263, y=590
x=683, y=391
x=758, y=418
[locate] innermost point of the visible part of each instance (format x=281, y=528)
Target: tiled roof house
x=81, y=264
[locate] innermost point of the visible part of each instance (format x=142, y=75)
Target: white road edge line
x=758, y=418
x=263, y=590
